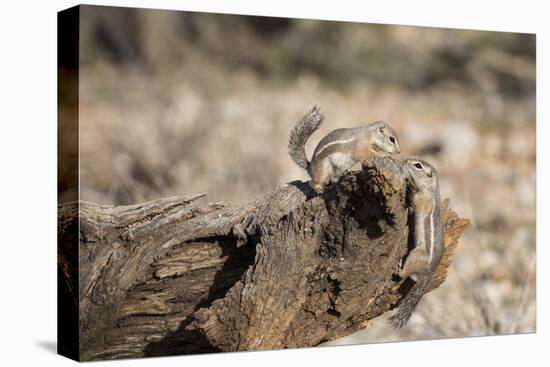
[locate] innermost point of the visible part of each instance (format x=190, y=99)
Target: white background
x=28, y=182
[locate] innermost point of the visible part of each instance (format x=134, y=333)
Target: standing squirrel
x=428, y=236
x=340, y=149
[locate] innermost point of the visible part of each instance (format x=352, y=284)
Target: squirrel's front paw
x=318, y=189
x=399, y=268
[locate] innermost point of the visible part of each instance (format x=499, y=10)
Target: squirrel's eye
x=381, y=129
x=418, y=165
x=392, y=139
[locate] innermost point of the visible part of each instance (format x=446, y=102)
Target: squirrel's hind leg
x=321, y=172
x=417, y=262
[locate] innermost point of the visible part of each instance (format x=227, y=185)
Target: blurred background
x=177, y=103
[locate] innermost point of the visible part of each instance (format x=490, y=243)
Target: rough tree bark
x=290, y=269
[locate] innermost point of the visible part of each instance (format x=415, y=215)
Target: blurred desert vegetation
x=177, y=103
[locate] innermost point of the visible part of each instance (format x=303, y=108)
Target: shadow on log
x=290, y=269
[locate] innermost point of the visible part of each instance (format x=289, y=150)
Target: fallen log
x=288, y=269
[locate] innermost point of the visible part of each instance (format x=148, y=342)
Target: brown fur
x=417, y=263
x=423, y=203
x=318, y=176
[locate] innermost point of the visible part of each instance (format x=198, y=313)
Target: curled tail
x=301, y=133
x=408, y=304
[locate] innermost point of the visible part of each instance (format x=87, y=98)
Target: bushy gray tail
x=301, y=133
x=408, y=304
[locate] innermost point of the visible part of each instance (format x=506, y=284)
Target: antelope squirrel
x=340, y=149
x=428, y=236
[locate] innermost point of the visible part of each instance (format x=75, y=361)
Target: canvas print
x=243, y=183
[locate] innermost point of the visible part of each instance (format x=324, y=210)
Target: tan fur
x=363, y=149
x=318, y=176
x=423, y=203
x=418, y=262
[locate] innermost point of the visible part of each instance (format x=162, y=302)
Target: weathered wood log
x=289, y=269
